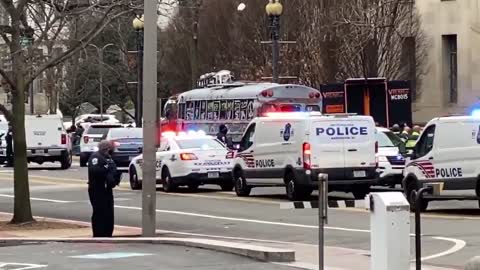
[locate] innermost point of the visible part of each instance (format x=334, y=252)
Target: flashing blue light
x=475, y=113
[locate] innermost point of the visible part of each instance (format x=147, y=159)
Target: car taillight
x=115, y=144
x=64, y=138
x=188, y=156
x=230, y=155
x=306, y=156
x=85, y=139
x=376, y=147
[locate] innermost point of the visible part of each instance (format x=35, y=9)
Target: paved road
x=122, y=257
x=451, y=228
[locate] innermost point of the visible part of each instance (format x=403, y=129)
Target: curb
x=251, y=251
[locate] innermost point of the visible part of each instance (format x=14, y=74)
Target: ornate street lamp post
x=274, y=10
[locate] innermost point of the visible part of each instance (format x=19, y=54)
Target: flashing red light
x=230, y=155
x=317, y=95
x=64, y=139
x=311, y=95
x=264, y=93
x=188, y=156
x=270, y=93
x=306, y=156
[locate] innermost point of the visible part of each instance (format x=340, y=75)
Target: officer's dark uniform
x=102, y=178
x=9, y=140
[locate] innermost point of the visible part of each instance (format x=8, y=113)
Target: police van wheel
x=241, y=187
x=294, y=191
x=134, y=183
x=410, y=191
x=168, y=186
x=359, y=192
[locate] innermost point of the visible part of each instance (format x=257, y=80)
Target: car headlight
x=382, y=159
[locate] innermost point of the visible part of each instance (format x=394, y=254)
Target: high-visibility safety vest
x=412, y=140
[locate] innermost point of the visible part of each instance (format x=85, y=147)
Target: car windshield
x=123, y=133
x=388, y=139
x=205, y=144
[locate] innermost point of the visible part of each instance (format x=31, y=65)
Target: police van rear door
x=344, y=142
x=359, y=142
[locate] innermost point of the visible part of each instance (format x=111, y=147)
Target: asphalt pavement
x=450, y=229
x=122, y=257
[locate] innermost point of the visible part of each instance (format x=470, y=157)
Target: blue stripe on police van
x=111, y=255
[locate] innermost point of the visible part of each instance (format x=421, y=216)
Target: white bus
x=237, y=103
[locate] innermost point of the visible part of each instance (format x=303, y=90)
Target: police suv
x=291, y=149
x=447, y=152
x=187, y=159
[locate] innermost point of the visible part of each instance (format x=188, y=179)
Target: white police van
x=447, y=152
x=187, y=159
x=291, y=149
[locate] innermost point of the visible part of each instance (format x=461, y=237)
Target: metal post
x=140, y=67
x=31, y=94
x=322, y=216
x=418, y=229
x=149, y=129
x=275, y=29
x=100, y=55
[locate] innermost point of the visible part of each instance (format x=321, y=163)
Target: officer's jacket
x=102, y=172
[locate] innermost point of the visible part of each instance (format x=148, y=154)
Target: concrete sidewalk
x=306, y=255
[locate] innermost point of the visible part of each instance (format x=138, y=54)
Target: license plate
x=213, y=175
x=359, y=174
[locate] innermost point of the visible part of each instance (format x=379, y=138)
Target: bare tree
x=21, y=77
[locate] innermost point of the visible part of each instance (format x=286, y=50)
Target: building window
x=450, y=60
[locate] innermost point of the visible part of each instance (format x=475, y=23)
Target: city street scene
x=240, y=134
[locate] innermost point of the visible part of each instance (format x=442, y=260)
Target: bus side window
x=313, y=108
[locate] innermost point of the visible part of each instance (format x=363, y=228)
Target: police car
x=390, y=159
x=447, y=152
x=291, y=149
x=187, y=159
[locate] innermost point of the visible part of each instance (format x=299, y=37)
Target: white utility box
x=390, y=231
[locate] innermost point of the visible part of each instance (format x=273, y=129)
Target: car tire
x=167, y=183
x=66, y=161
x=135, y=184
x=83, y=160
x=294, y=191
x=360, y=192
x=241, y=187
x=227, y=186
x=409, y=192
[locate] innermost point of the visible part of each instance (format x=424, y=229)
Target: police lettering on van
x=448, y=172
x=264, y=163
x=342, y=131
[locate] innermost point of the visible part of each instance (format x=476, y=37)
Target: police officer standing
x=102, y=178
x=9, y=150
x=222, y=136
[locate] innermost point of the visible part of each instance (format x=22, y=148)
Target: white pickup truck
x=47, y=140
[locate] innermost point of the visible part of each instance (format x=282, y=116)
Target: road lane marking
x=37, y=199
x=111, y=255
x=458, y=245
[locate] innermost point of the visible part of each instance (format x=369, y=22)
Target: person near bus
x=405, y=133
x=396, y=129
x=412, y=139
x=222, y=136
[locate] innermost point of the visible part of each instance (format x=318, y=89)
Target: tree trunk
x=22, y=211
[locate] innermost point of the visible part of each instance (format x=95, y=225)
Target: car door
x=246, y=151
x=424, y=155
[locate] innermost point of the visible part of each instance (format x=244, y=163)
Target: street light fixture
x=100, y=59
x=274, y=10
x=241, y=7
x=138, y=24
